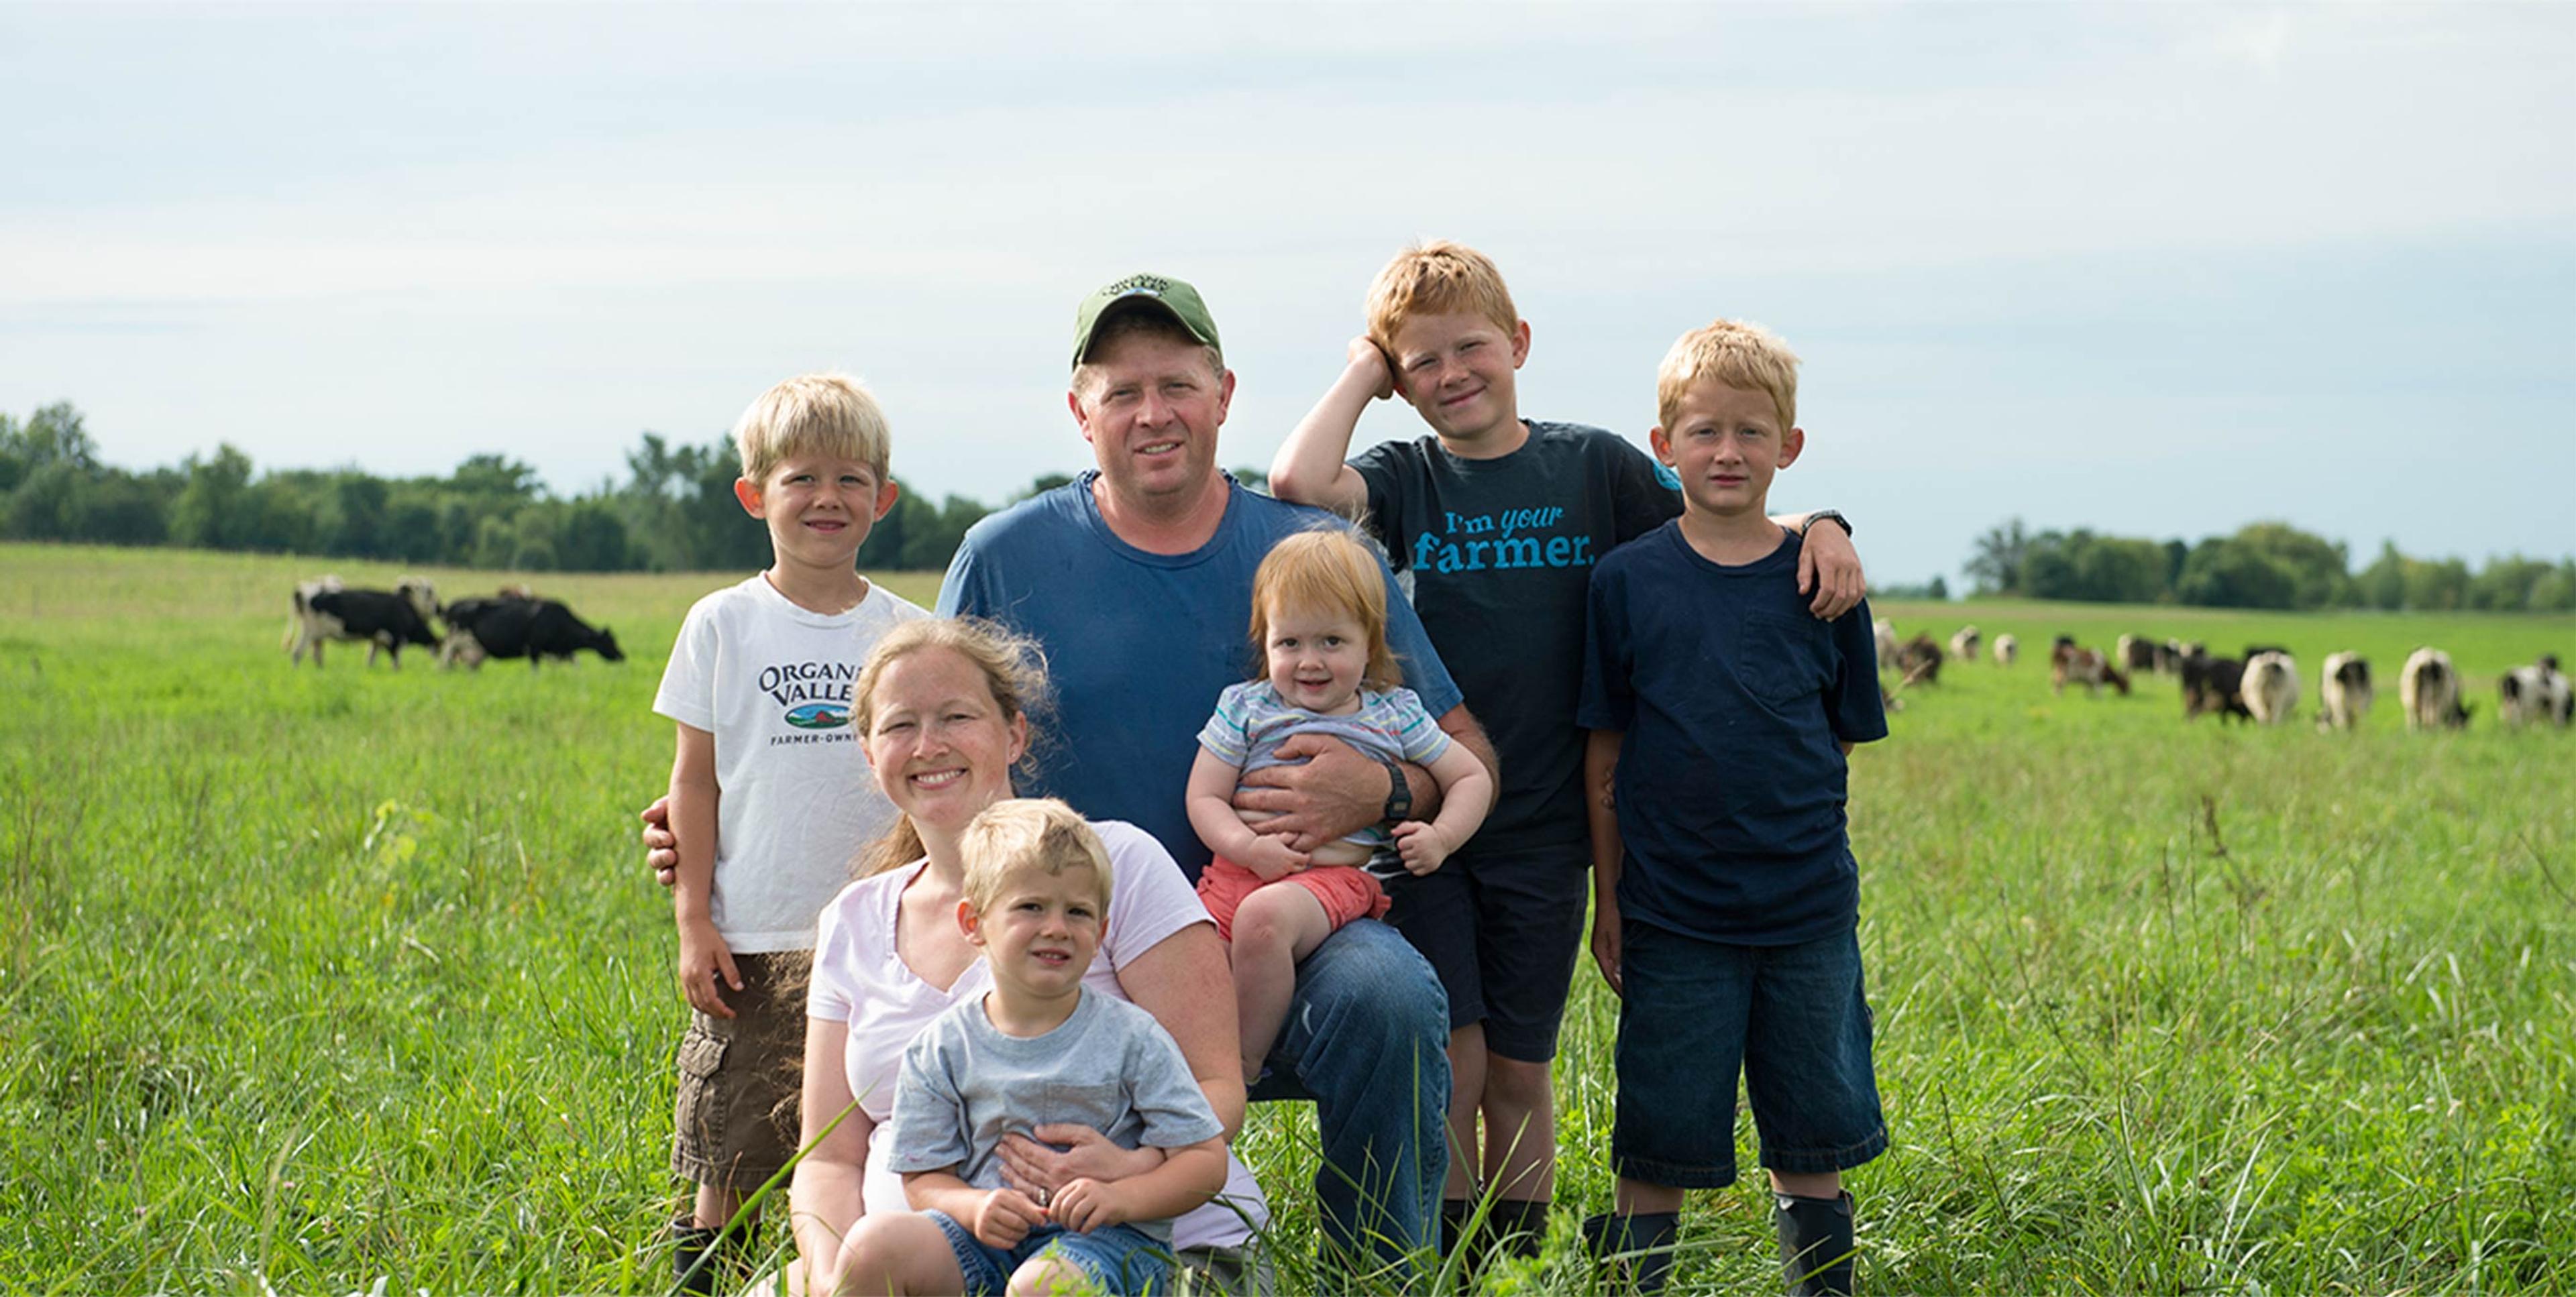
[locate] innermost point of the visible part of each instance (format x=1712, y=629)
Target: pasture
x=313, y=979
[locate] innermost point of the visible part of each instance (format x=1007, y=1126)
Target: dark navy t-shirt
x=1732, y=698
x=1140, y=644
x=1499, y=552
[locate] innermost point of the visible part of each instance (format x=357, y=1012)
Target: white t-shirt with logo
x=795, y=802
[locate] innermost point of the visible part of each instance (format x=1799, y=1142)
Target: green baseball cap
x=1173, y=297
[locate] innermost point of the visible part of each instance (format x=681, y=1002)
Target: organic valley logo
x=816, y=695
x=819, y=716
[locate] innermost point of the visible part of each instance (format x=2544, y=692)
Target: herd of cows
x=2261, y=686
x=514, y=623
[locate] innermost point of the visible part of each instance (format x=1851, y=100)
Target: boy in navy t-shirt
x=1726, y=901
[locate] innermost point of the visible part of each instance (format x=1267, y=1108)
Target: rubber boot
x=1515, y=1227
x=695, y=1257
x=1462, y=1237
x=1815, y=1244
x=1642, y=1245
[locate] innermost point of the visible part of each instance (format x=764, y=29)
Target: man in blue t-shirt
x=1137, y=581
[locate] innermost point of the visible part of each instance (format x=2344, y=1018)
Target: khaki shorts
x=740, y=1077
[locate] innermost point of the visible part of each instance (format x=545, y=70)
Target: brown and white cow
x=2070, y=663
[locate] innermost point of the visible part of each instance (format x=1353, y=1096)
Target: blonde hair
x=1022, y=834
x=1135, y=322
x=1734, y=353
x=1014, y=669
x=829, y=414
x=1327, y=569
x=1437, y=277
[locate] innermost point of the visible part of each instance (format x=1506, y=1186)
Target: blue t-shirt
x=1732, y=698
x=1139, y=644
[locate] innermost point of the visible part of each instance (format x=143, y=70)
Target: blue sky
x=2160, y=269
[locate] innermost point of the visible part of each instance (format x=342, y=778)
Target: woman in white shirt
x=943, y=709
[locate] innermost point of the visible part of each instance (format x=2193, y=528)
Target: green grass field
x=311, y=979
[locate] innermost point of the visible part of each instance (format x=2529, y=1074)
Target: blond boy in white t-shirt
x=770, y=794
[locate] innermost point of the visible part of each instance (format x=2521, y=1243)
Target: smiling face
x=1150, y=405
x=1316, y=657
x=1040, y=929
x=1725, y=443
x=941, y=745
x=819, y=508
x=1457, y=370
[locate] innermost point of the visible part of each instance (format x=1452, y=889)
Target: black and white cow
x=2270, y=686
x=2343, y=691
x=384, y=619
x=2213, y=685
x=2533, y=695
x=529, y=628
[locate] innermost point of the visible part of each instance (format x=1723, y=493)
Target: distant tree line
x=2264, y=565
x=674, y=512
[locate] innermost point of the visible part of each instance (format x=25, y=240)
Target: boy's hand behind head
x=1368, y=358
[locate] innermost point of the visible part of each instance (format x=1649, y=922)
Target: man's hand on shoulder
x=1829, y=570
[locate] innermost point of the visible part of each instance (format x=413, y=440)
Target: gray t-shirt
x=1109, y=1066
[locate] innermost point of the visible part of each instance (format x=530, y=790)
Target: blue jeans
x=1119, y=1259
x=1794, y=1020
x=1367, y=1039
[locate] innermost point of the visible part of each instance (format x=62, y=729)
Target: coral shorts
x=1347, y=891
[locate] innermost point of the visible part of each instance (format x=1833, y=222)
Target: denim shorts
x=1503, y=930
x=1118, y=1259
x=1792, y=1018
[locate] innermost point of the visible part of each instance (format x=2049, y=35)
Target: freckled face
x=1458, y=372
x=1726, y=443
x=819, y=508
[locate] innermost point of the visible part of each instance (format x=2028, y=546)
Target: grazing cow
x=460, y=648
x=2135, y=655
x=2213, y=685
x=1885, y=633
x=2533, y=695
x=530, y=628
x=2007, y=649
x=302, y=632
x=1963, y=643
x=2343, y=691
x=384, y=620
x=2270, y=686
x=2428, y=691
x=1920, y=660
x=2070, y=663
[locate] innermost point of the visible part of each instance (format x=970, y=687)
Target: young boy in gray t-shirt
x=1038, y=1049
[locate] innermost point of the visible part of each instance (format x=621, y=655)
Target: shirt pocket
x=1781, y=661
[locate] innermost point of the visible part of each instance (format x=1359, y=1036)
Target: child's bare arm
x=1212, y=813
x=1187, y=1178
x=1308, y=468
x=704, y=957
x=1600, y=768
x=1466, y=795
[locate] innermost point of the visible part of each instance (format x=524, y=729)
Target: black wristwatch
x=1399, y=797
x=1822, y=515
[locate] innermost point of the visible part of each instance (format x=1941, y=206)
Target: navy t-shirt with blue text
x=1139, y=644
x=1497, y=553
x=1732, y=700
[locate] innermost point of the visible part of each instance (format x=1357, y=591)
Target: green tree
x=1995, y=564
x=209, y=511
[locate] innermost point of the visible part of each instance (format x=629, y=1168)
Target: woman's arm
x=1186, y=983
x=825, y=1200
x=1185, y=1180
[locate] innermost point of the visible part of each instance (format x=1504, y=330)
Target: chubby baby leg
x=1275, y=927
